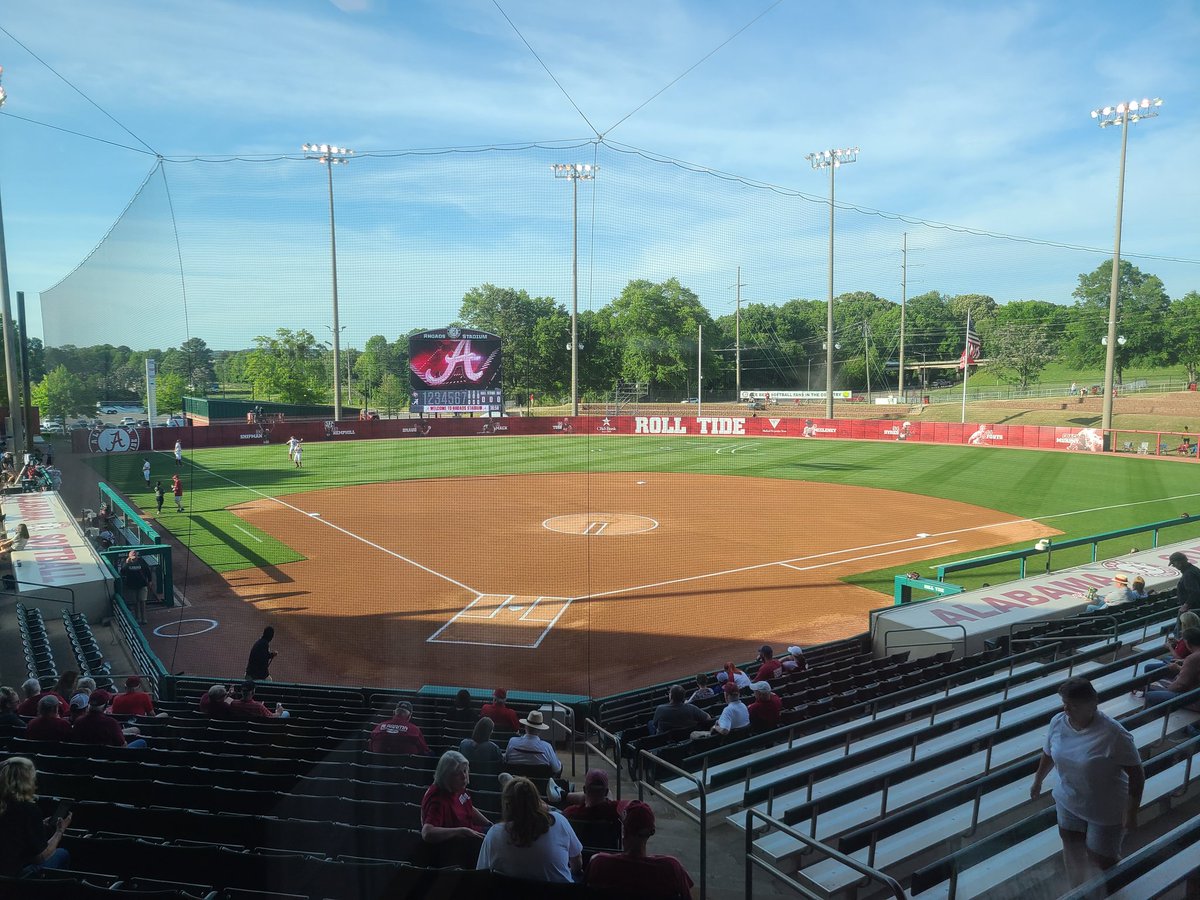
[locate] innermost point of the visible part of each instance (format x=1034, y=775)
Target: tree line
x=649, y=335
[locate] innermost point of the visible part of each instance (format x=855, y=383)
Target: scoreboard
x=455, y=370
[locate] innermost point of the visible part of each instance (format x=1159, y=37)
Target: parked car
x=757, y=404
x=109, y=410
x=691, y=400
x=173, y=422
x=127, y=420
x=52, y=428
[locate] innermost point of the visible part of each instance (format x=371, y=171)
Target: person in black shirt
x=462, y=712
x=27, y=842
x=138, y=581
x=1189, y=582
x=261, y=654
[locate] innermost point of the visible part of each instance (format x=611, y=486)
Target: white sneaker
x=553, y=793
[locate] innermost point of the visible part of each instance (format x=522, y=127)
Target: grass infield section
x=1075, y=493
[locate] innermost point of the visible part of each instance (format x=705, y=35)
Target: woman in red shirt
x=446, y=809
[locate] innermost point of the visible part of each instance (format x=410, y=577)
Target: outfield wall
x=1040, y=437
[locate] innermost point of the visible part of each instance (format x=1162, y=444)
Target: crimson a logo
x=114, y=440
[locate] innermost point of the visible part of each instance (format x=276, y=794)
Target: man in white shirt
x=1119, y=595
x=529, y=748
x=734, y=715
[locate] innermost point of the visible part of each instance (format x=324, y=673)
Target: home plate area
x=503, y=620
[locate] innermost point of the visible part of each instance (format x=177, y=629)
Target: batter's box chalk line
x=503, y=620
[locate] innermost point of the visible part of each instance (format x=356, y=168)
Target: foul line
x=349, y=534
x=842, y=562
x=245, y=532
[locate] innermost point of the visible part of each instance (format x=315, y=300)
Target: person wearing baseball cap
x=100, y=729
x=498, y=711
x=529, y=748
x=135, y=701
x=634, y=870
x=770, y=667
x=1188, y=587
x=764, y=712
x=593, y=804
x=794, y=662
x=398, y=734
x=734, y=715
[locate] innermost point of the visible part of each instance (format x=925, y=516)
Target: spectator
x=702, y=691
x=32, y=692
x=398, y=734
x=1138, y=588
x=764, y=712
x=1100, y=781
x=215, y=702
x=529, y=748
x=1118, y=596
x=482, y=753
x=49, y=725
x=10, y=721
x=794, y=661
x=447, y=811
x=462, y=712
x=1180, y=677
x=138, y=581
x=249, y=708
x=771, y=667
x=635, y=872
x=28, y=843
x=734, y=715
x=258, y=667
x=533, y=841
x=135, y=701
x=678, y=714
x=1176, y=644
x=498, y=711
x=730, y=673
x=79, y=700
x=100, y=729
x=1188, y=586
x=64, y=690
x=593, y=804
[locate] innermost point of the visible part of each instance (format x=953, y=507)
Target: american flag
x=970, y=354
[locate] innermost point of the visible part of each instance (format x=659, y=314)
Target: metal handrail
x=887, y=638
x=588, y=745
x=138, y=644
x=886, y=881
x=1114, y=638
x=568, y=714
x=682, y=808
x=53, y=587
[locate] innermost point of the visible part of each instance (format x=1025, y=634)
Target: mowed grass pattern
x=1075, y=493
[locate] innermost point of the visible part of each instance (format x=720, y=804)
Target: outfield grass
x=1075, y=493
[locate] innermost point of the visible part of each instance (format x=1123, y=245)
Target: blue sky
x=967, y=113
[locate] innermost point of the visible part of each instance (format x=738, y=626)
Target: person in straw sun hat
x=530, y=748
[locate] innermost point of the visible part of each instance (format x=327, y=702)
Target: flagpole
x=966, y=366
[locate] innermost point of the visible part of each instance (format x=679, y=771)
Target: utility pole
x=737, y=336
x=903, y=304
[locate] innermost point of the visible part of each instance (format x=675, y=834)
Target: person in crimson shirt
x=135, y=701
x=766, y=708
x=31, y=692
x=447, y=811
x=398, y=734
x=771, y=667
x=49, y=725
x=98, y=728
x=249, y=708
x=634, y=870
x=215, y=702
x=593, y=804
x=498, y=711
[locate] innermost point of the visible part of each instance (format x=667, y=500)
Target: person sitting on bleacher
x=483, y=754
x=32, y=692
x=79, y=700
x=462, y=712
x=1118, y=596
x=16, y=542
x=764, y=712
x=28, y=843
x=593, y=804
x=677, y=714
x=64, y=690
x=135, y=701
x=10, y=721
x=533, y=841
x=1175, y=643
x=398, y=734
x=498, y=711
x=529, y=749
x=731, y=674
x=215, y=702
x=249, y=708
x=98, y=728
x=1180, y=677
x=49, y=725
x=634, y=870
x=771, y=667
x=794, y=661
x=447, y=811
x=703, y=691
x=733, y=716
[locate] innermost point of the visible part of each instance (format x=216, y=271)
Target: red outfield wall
x=1043, y=437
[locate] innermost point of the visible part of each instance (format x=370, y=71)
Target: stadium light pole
x=10, y=344
x=1123, y=114
x=831, y=160
x=575, y=172
x=330, y=156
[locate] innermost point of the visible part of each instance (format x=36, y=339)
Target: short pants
x=1103, y=840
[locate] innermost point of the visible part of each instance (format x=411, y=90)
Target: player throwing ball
x=292, y=444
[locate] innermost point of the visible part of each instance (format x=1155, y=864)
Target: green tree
x=535, y=331
x=288, y=366
x=392, y=394
x=1183, y=335
x=62, y=393
x=658, y=324
x=1142, y=307
x=372, y=364
x=170, y=390
x=1017, y=355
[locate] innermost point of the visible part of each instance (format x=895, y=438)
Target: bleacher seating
x=88, y=657
x=39, y=658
